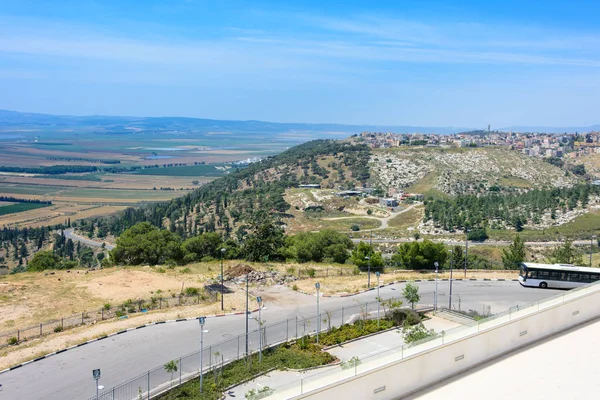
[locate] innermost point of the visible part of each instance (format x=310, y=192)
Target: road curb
x=405, y=281
x=119, y=333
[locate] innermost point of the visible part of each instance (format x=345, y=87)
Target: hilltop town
x=535, y=144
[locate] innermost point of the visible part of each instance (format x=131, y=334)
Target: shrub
x=311, y=272
x=107, y=306
x=192, y=291
x=401, y=316
x=12, y=341
x=295, y=287
x=355, y=228
x=58, y=329
x=290, y=270
x=160, y=270
x=186, y=270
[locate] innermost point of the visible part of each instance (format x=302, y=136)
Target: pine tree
x=515, y=254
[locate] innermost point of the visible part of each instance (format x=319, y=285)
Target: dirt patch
x=238, y=270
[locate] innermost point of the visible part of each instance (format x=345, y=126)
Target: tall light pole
x=259, y=300
x=201, y=320
x=222, y=287
x=368, y=272
x=591, y=245
x=378, y=299
x=466, y=249
x=247, y=276
x=436, y=286
x=318, y=286
x=465, y=254
x=451, y=265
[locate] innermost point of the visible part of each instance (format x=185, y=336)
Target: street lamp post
x=466, y=249
x=591, y=246
x=368, y=272
x=201, y=320
x=378, y=299
x=435, y=297
x=451, y=265
x=259, y=300
x=247, y=276
x=318, y=286
x=222, y=287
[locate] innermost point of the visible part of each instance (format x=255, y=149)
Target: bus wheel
x=543, y=285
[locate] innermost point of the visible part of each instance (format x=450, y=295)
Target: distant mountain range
x=19, y=119
x=112, y=123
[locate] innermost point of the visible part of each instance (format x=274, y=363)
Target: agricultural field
x=206, y=155
x=20, y=207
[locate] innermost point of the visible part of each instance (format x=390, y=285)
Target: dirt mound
x=238, y=270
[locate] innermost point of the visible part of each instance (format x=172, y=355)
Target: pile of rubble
x=237, y=275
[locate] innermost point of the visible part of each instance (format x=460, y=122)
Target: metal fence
x=158, y=380
x=105, y=313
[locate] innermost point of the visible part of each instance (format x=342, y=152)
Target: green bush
x=12, y=341
x=192, y=291
x=58, y=329
x=107, y=306
x=400, y=316
x=311, y=272
x=186, y=270
x=360, y=328
x=119, y=313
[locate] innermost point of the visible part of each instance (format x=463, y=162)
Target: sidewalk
x=361, y=348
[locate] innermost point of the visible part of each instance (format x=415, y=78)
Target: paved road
x=68, y=375
x=69, y=234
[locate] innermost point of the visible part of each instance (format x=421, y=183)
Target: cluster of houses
x=390, y=202
x=532, y=144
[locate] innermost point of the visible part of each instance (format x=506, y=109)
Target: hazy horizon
x=464, y=64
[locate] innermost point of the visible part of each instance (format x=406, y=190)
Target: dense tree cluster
x=469, y=211
x=18, y=200
x=51, y=170
x=420, y=255
x=327, y=245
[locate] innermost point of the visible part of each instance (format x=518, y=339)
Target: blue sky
x=431, y=63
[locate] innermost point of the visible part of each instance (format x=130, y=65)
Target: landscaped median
x=300, y=354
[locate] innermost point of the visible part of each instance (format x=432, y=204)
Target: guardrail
x=449, y=352
x=157, y=380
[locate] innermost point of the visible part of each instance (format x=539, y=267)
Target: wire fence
x=108, y=312
x=158, y=380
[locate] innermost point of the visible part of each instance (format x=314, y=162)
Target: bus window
x=532, y=274
x=584, y=278
x=593, y=278
x=573, y=277
x=563, y=277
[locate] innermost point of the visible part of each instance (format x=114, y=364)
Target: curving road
x=70, y=234
x=68, y=375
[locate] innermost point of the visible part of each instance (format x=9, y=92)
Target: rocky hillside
x=465, y=171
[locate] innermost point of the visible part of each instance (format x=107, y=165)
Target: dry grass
x=56, y=214
x=13, y=355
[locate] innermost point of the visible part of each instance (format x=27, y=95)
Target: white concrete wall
x=413, y=373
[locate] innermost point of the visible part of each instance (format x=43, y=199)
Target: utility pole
x=222, y=287
x=318, y=286
x=368, y=272
x=259, y=300
x=591, y=247
x=435, y=297
x=451, y=265
x=247, y=276
x=378, y=298
x=466, y=249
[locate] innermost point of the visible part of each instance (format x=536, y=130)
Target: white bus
x=557, y=276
